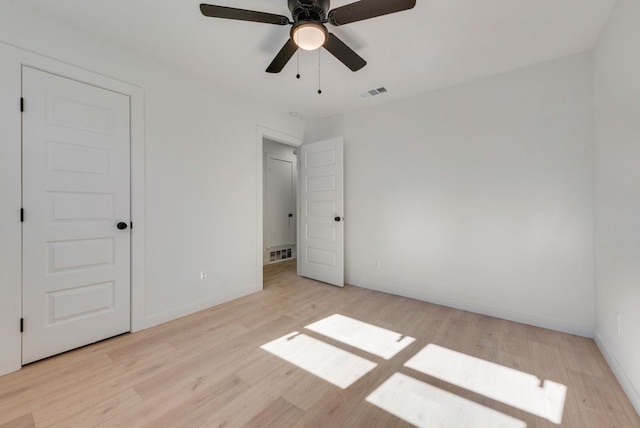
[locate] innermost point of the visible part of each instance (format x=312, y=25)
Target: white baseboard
x=618, y=371
x=155, y=319
x=480, y=308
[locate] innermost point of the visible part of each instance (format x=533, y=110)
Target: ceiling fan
x=308, y=31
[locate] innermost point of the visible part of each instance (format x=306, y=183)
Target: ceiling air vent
x=374, y=92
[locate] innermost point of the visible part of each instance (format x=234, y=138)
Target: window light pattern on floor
x=370, y=338
x=414, y=401
x=425, y=405
x=512, y=387
x=332, y=364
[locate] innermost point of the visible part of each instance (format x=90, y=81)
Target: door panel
x=321, y=247
x=76, y=263
x=280, y=201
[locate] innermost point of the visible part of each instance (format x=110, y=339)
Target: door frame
x=280, y=137
x=11, y=86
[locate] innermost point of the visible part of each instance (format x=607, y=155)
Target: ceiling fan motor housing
x=309, y=10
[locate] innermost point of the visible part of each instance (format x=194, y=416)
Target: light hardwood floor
x=207, y=369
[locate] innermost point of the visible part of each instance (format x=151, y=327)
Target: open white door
x=76, y=239
x=321, y=227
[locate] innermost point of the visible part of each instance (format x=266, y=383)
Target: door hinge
x=21, y=215
x=21, y=104
x=131, y=225
x=21, y=325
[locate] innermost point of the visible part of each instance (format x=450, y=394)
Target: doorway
x=264, y=138
x=279, y=201
x=320, y=170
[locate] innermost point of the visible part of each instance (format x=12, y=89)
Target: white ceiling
x=438, y=43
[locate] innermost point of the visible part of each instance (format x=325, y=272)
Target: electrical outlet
x=203, y=275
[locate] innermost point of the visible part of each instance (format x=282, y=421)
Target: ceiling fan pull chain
x=319, y=90
x=298, y=60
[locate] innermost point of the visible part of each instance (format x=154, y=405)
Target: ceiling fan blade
x=366, y=9
x=344, y=53
x=214, y=11
x=283, y=57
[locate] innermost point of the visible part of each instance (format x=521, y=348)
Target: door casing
x=280, y=137
x=11, y=294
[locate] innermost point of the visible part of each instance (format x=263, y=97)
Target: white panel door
x=280, y=201
x=76, y=260
x=321, y=231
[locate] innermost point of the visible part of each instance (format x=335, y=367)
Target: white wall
x=201, y=184
x=287, y=151
x=477, y=196
x=617, y=194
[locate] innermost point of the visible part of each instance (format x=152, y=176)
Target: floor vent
x=284, y=254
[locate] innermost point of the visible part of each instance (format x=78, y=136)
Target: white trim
x=480, y=308
x=261, y=133
x=10, y=226
x=632, y=393
x=192, y=308
x=16, y=58
x=138, y=213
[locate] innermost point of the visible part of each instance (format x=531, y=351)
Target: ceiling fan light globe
x=309, y=35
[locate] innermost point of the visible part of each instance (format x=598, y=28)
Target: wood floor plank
x=93, y=415
x=29, y=397
x=582, y=356
x=199, y=406
x=191, y=398
x=39, y=373
x=279, y=413
x=306, y=392
x=367, y=415
x=598, y=419
x=208, y=369
x=513, y=338
x=96, y=387
x=242, y=409
x=593, y=393
x=25, y=421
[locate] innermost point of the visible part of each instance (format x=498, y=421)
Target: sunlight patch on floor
x=512, y=387
x=367, y=337
x=336, y=366
x=425, y=405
